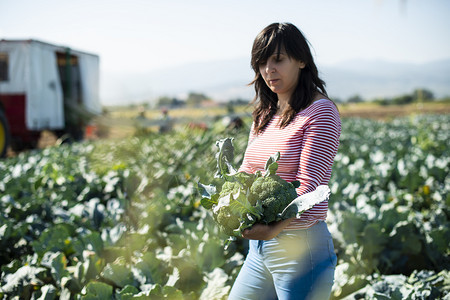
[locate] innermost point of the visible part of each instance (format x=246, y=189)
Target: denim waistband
x=319, y=227
x=260, y=244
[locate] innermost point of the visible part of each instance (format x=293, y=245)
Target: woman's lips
x=273, y=81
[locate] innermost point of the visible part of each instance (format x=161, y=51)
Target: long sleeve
x=320, y=142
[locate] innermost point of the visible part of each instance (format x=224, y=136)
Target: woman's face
x=281, y=73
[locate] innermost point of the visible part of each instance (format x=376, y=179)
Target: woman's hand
x=265, y=232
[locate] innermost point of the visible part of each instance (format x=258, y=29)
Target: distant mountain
x=372, y=79
x=221, y=80
x=228, y=79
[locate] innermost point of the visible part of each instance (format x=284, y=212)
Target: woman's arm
x=265, y=232
x=320, y=144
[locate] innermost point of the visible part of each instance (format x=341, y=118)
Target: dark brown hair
x=270, y=40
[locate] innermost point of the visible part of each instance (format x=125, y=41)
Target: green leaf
x=72, y=284
x=22, y=279
x=56, y=238
x=440, y=238
x=240, y=205
x=245, y=179
x=98, y=290
x=118, y=274
x=176, y=241
x=172, y=293
x=129, y=289
x=5, y=232
x=209, y=195
x=92, y=266
x=207, y=190
x=392, y=215
x=110, y=236
x=96, y=213
x=405, y=236
x=128, y=292
x=208, y=254
x=373, y=240
x=271, y=166
x=48, y=292
x=351, y=226
x=91, y=241
x=56, y=262
x=190, y=276
x=156, y=292
x=110, y=254
x=66, y=294
x=216, y=285
x=12, y=267
x=305, y=202
x=225, y=158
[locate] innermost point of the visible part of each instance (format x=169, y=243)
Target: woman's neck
x=282, y=104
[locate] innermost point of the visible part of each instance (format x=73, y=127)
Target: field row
x=120, y=218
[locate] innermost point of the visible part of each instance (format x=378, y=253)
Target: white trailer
x=45, y=87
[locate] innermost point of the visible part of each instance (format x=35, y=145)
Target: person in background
x=293, y=258
x=165, y=121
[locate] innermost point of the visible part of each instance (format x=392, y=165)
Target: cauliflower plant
x=245, y=199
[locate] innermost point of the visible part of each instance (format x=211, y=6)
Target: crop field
x=119, y=218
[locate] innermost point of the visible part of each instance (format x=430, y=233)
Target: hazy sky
x=146, y=35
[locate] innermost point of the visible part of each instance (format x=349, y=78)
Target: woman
x=294, y=258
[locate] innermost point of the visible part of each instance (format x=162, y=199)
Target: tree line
x=196, y=99
x=417, y=96
x=193, y=99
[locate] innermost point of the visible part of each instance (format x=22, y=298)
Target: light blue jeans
x=297, y=264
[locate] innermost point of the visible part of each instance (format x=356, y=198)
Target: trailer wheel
x=4, y=134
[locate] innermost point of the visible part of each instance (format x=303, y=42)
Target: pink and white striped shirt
x=307, y=146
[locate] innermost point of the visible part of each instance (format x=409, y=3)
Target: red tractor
x=45, y=87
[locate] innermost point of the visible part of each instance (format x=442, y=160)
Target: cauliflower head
x=227, y=221
x=233, y=210
x=275, y=195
